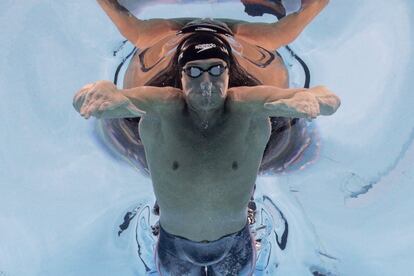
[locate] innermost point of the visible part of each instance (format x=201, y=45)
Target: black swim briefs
x=233, y=254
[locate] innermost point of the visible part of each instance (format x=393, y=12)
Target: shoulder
x=251, y=99
x=155, y=99
x=243, y=99
x=168, y=98
x=247, y=94
x=158, y=94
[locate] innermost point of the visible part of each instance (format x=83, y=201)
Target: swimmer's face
x=205, y=90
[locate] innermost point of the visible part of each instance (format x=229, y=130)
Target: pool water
x=64, y=194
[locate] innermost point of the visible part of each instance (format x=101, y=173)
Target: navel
x=235, y=165
x=175, y=165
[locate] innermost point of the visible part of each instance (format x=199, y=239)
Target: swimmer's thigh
x=241, y=259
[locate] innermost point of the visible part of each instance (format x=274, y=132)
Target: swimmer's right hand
x=101, y=99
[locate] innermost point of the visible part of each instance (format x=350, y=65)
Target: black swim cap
x=203, y=45
x=206, y=25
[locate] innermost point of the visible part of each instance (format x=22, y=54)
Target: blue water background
x=62, y=196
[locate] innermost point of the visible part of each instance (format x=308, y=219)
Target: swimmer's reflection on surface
x=204, y=137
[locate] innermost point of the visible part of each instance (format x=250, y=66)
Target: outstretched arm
x=275, y=35
x=103, y=99
x=141, y=33
x=270, y=101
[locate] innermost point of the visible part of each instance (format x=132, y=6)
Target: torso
x=203, y=182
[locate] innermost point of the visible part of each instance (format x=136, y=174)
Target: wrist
x=133, y=110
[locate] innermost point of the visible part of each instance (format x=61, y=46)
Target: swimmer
x=204, y=144
x=255, y=61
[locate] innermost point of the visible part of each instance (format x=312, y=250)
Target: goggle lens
x=195, y=72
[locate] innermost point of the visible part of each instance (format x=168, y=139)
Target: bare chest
x=175, y=149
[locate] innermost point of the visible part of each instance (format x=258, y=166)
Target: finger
x=79, y=97
x=315, y=111
x=81, y=100
x=78, y=100
x=84, y=112
x=104, y=106
x=92, y=109
x=306, y=110
x=86, y=115
x=309, y=113
x=83, y=90
x=86, y=102
x=85, y=107
x=90, y=95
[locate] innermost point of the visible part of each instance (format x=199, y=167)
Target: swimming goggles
x=195, y=71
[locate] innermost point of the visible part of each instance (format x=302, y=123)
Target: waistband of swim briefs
x=235, y=234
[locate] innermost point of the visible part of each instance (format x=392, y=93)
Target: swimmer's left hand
x=328, y=101
x=302, y=105
x=307, y=104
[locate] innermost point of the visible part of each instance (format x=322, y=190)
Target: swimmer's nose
x=205, y=77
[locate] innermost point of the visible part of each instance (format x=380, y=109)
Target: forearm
x=127, y=24
x=152, y=98
x=272, y=93
x=103, y=99
x=308, y=103
x=275, y=35
x=258, y=95
x=120, y=112
x=271, y=101
x=325, y=97
x=129, y=107
x=140, y=97
x=292, y=25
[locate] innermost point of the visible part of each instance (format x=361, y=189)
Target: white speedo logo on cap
x=205, y=29
x=203, y=47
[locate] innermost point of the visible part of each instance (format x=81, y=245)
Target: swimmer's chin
x=205, y=102
x=204, y=106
